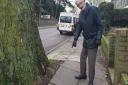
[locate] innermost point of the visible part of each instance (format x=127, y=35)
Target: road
x=51, y=38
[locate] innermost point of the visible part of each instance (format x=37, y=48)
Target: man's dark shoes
x=80, y=77
x=90, y=83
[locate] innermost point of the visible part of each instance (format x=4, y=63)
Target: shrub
x=113, y=17
x=120, y=18
x=106, y=10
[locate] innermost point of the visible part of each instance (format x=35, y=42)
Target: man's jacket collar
x=86, y=10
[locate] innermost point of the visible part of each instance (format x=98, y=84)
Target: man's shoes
x=80, y=77
x=90, y=83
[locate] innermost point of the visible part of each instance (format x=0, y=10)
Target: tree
x=51, y=8
x=22, y=56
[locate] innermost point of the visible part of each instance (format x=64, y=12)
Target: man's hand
x=98, y=42
x=74, y=43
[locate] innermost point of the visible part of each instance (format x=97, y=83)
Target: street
x=51, y=38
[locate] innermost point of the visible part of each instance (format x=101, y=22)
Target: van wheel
x=61, y=32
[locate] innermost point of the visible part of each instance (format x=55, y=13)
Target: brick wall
x=121, y=54
x=47, y=22
x=111, y=49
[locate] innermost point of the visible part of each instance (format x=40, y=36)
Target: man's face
x=80, y=3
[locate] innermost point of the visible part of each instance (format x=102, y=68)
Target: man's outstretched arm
x=77, y=34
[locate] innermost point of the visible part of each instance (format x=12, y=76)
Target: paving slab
x=75, y=66
x=71, y=66
x=100, y=76
x=65, y=76
x=66, y=52
x=83, y=82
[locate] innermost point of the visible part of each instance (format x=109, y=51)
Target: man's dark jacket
x=90, y=24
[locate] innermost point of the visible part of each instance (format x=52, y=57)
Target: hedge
x=120, y=18
x=113, y=17
x=106, y=11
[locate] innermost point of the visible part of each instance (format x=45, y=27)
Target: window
x=66, y=19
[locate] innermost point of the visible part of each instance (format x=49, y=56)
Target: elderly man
x=90, y=24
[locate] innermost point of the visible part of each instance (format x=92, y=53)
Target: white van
x=67, y=22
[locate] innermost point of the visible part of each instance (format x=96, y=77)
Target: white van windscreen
x=65, y=19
